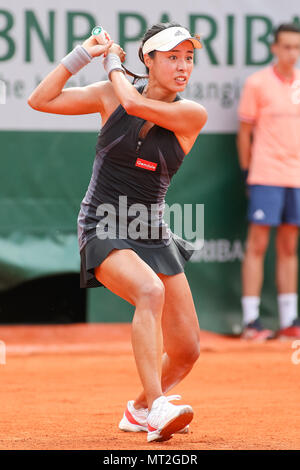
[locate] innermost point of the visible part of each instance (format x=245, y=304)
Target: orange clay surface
x=65, y=387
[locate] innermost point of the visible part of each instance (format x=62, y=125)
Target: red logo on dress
x=145, y=164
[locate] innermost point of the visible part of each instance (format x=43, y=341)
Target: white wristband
x=76, y=59
x=112, y=62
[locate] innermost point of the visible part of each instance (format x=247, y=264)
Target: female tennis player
x=146, y=133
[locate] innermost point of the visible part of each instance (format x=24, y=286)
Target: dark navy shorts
x=273, y=205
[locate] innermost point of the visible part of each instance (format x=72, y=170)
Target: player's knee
x=152, y=294
x=187, y=353
x=193, y=353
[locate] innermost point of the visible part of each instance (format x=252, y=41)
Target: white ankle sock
x=250, y=306
x=288, y=309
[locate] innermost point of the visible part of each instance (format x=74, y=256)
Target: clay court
x=65, y=387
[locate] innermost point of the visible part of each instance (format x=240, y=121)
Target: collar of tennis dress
x=169, y=38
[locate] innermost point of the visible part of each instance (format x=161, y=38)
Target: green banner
x=44, y=178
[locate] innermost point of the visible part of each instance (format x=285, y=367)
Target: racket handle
x=101, y=36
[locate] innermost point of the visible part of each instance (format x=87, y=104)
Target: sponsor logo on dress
x=259, y=214
x=145, y=164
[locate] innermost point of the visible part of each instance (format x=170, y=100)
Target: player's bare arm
x=51, y=97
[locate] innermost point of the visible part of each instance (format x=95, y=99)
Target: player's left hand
x=117, y=49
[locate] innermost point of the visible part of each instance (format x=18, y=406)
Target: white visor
x=169, y=38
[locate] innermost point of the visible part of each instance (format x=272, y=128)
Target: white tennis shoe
x=136, y=420
x=165, y=419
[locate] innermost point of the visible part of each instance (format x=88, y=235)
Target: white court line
x=105, y=348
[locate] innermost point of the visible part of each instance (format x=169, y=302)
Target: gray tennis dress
x=124, y=204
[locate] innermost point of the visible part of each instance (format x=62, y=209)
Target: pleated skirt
x=166, y=259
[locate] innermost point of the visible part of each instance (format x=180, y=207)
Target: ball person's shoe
x=166, y=419
x=254, y=331
x=290, y=332
x=136, y=420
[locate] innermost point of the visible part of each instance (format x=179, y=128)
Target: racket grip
x=101, y=36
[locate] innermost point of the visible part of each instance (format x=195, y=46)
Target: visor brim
x=170, y=45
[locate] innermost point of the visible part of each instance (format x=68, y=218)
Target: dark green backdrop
x=44, y=176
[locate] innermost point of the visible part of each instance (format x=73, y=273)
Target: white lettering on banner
x=234, y=30
x=219, y=251
x=2, y=92
x=225, y=94
x=235, y=40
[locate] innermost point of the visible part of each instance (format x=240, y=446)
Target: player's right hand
x=95, y=49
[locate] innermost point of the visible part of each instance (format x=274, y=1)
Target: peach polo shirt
x=268, y=101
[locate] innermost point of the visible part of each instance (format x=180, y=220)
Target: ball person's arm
x=244, y=144
x=50, y=97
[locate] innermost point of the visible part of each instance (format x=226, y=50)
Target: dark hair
x=156, y=28
x=286, y=28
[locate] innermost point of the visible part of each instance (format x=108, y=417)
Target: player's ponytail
x=136, y=76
